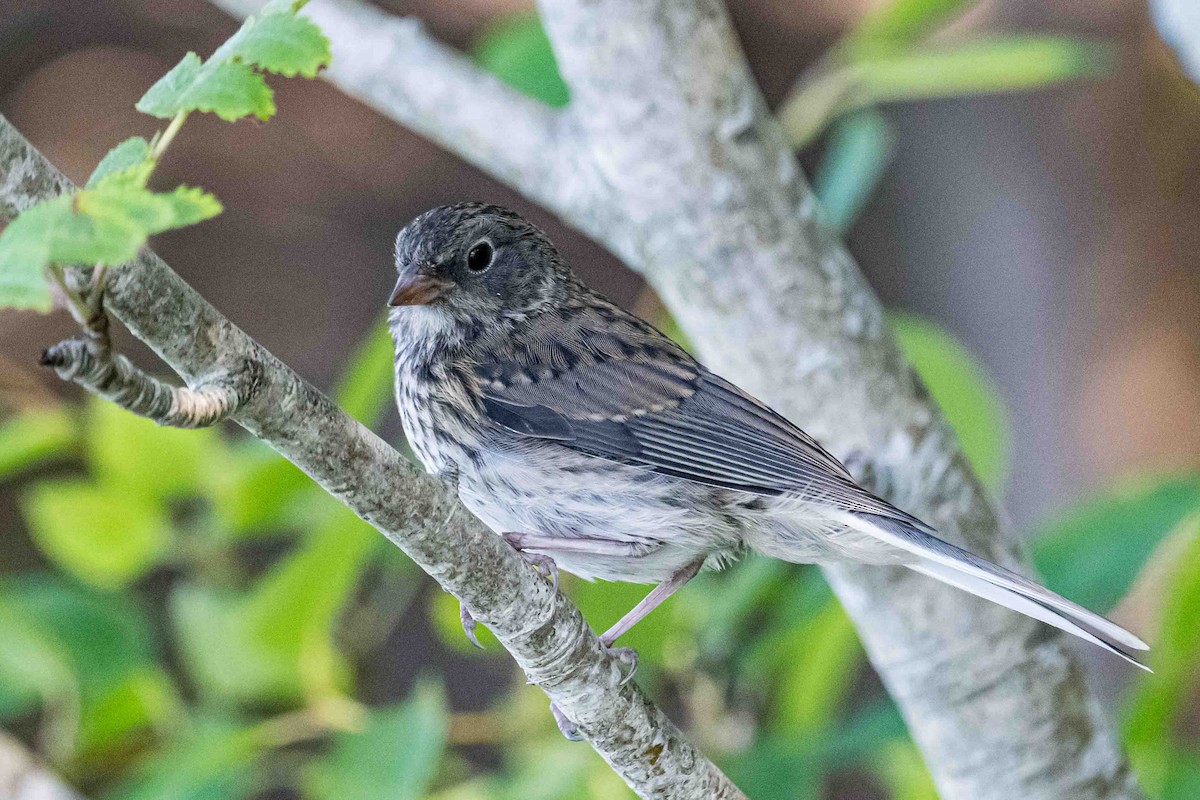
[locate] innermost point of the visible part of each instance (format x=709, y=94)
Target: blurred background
x=183, y=615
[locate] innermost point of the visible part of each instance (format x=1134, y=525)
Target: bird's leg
x=536, y=548
x=468, y=624
x=652, y=601
x=565, y=725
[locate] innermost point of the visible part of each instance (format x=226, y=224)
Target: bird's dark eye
x=479, y=257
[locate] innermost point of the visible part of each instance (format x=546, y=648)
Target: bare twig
x=96, y=368
x=544, y=632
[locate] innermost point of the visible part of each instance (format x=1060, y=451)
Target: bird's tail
x=955, y=566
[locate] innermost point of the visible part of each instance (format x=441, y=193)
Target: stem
x=161, y=144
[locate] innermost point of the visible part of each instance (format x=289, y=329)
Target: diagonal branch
x=545, y=633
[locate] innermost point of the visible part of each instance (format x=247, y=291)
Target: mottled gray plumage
x=591, y=438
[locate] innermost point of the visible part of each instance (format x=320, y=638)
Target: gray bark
x=545, y=633
x=690, y=180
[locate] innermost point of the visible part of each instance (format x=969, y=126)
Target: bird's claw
x=541, y=562
x=565, y=726
x=627, y=656
x=468, y=625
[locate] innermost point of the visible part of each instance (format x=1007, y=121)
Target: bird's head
x=476, y=263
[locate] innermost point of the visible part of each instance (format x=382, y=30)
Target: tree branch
x=23, y=778
x=545, y=633
x=715, y=211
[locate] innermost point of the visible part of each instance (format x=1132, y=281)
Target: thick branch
x=395, y=67
x=545, y=633
x=23, y=778
x=730, y=235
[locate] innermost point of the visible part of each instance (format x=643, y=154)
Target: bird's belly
x=572, y=496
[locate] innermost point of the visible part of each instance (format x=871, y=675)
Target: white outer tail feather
x=961, y=569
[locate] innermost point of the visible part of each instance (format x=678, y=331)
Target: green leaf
x=967, y=395
x=516, y=50
x=365, y=389
x=144, y=703
x=825, y=654
x=96, y=663
x=858, y=151
x=214, y=760
x=34, y=437
x=103, y=225
x=135, y=456
x=1113, y=534
x=262, y=492
x=279, y=42
x=130, y=158
x=1157, y=709
x=395, y=756
x=275, y=642
x=147, y=212
x=102, y=536
x=229, y=89
x=904, y=772
x=25, y=254
x=981, y=66
x=34, y=666
x=902, y=21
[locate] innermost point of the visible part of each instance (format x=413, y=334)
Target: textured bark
x=545, y=633
x=690, y=180
x=23, y=778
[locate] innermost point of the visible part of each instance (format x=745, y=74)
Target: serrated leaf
x=129, y=206
x=280, y=42
x=24, y=256
x=102, y=536
x=395, y=755
x=130, y=159
x=229, y=89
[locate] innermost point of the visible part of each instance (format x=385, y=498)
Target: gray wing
x=626, y=393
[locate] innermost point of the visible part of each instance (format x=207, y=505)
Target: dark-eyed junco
x=587, y=437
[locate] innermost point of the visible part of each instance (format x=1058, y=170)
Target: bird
x=595, y=444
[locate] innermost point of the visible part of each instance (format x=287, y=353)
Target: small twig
x=90, y=362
